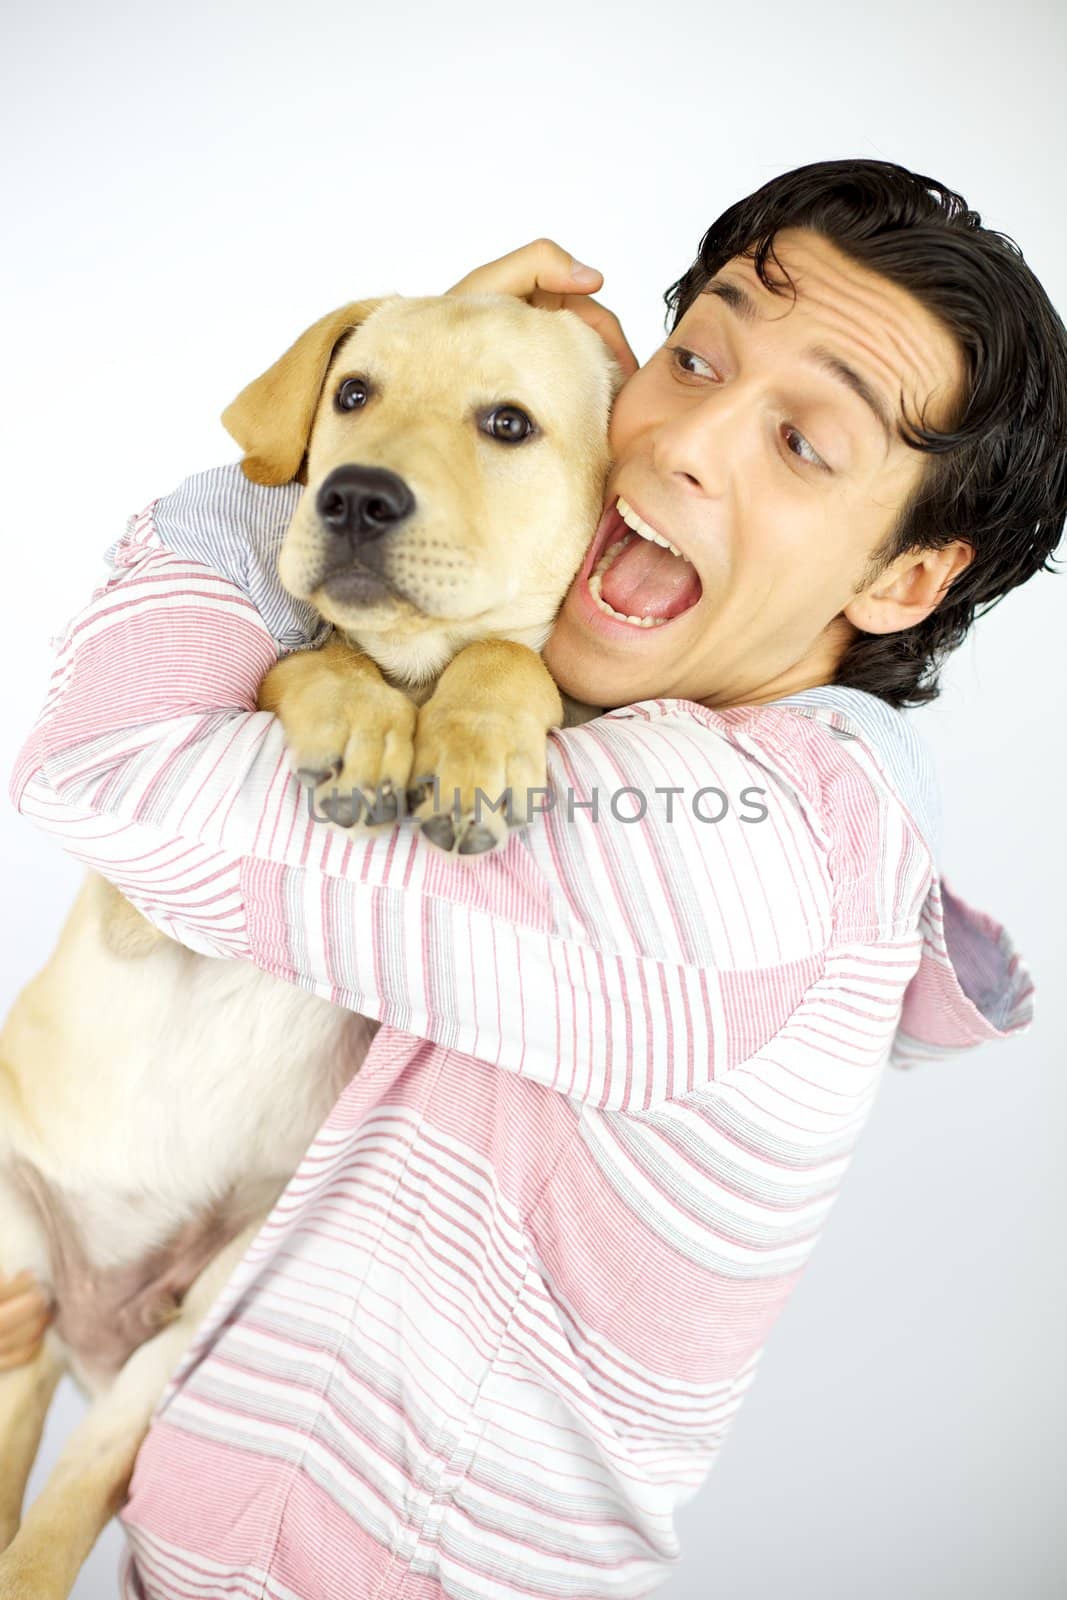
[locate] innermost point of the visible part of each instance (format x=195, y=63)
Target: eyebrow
x=741, y=303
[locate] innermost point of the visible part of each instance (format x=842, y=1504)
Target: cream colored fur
x=148, y=1084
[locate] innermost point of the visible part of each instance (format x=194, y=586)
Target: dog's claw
x=311, y=777
x=476, y=840
x=370, y=808
x=439, y=831
x=385, y=807
x=342, y=809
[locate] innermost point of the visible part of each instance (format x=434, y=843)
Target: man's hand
x=547, y=275
x=25, y=1313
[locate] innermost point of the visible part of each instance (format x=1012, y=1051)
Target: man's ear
x=909, y=589
x=271, y=417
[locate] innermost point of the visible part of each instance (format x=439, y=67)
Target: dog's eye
x=509, y=424
x=352, y=394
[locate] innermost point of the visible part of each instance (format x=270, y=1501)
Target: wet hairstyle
x=997, y=477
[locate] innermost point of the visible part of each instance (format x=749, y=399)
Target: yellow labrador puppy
x=453, y=452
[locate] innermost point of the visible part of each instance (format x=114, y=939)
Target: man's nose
x=363, y=503
x=701, y=444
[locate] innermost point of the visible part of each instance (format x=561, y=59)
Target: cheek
x=630, y=413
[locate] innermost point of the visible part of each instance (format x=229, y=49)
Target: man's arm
x=617, y=961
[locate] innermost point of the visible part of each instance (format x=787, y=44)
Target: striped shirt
x=498, y=1325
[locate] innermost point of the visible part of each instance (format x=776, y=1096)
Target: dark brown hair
x=997, y=477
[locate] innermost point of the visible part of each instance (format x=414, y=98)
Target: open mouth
x=635, y=574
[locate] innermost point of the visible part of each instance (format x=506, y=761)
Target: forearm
x=597, y=956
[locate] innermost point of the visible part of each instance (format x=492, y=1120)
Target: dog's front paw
x=349, y=733
x=476, y=774
x=356, y=757
x=481, y=747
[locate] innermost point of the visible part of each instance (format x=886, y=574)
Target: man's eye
x=797, y=445
x=690, y=362
x=352, y=394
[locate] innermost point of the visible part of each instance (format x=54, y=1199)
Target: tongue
x=645, y=580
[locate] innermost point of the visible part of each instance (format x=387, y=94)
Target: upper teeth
x=639, y=525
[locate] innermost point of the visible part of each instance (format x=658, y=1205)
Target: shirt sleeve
x=971, y=985
x=659, y=925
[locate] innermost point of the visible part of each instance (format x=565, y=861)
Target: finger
x=599, y=317
x=609, y=328
x=17, y=1313
x=27, y=1337
x=547, y=299
x=20, y=1357
x=542, y=264
x=11, y=1286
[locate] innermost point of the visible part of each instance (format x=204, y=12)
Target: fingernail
x=580, y=273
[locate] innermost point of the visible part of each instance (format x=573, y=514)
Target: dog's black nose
x=363, y=503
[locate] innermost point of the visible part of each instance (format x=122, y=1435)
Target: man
x=504, y=1315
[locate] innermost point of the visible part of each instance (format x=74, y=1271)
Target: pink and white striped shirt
x=501, y=1320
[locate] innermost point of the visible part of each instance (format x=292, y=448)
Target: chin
x=589, y=677
x=592, y=666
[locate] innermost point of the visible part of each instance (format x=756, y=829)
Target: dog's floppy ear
x=271, y=417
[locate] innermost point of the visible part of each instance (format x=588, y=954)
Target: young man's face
x=746, y=444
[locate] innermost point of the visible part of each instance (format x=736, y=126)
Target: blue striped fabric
x=889, y=733
x=236, y=528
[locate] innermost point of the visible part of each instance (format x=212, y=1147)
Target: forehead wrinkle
x=847, y=375
x=907, y=356
x=903, y=362
x=741, y=303
x=901, y=334
x=860, y=290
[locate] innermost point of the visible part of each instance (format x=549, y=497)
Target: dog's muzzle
x=361, y=504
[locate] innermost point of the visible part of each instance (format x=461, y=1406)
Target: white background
x=186, y=188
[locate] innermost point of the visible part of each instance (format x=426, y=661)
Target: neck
x=814, y=670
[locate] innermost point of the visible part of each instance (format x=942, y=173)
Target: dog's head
x=454, y=452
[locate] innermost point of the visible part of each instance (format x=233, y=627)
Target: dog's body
x=153, y=1101
x=171, y=1097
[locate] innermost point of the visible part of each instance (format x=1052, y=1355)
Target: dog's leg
x=483, y=736
x=350, y=734
x=25, y=1390
x=89, y=1482
x=25, y=1393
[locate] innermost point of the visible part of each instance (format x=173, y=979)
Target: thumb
x=542, y=264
